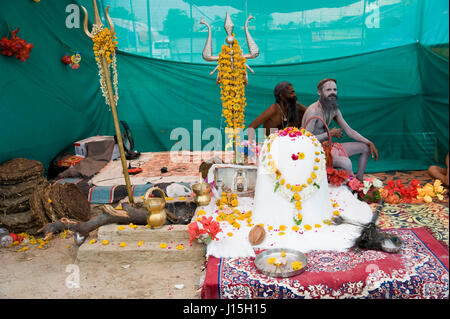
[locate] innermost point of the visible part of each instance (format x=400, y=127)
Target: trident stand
x=110, y=95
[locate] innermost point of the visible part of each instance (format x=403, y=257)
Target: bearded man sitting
x=327, y=108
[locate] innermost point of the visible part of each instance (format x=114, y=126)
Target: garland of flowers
x=301, y=191
x=105, y=47
x=232, y=72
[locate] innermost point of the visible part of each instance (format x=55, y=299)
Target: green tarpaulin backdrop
x=390, y=59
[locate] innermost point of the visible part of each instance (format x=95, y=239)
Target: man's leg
x=354, y=148
x=343, y=162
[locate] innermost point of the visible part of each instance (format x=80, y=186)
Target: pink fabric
x=338, y=150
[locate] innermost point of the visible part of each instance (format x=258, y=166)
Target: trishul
x=229, y=26
x=104, y=69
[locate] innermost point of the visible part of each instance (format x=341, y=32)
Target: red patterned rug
x=420, y=271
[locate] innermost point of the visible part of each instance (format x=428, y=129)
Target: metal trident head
x=229, y=26
x=97, y=19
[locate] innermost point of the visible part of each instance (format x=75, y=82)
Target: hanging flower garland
x=105, y=47
x=302, y=190
x=232, y=73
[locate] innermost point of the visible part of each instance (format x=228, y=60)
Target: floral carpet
x=420, y=271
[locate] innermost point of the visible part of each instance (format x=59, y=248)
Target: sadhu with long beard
x=327, y=108
x=286, y=111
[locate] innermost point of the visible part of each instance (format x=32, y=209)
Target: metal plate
x=282, y=271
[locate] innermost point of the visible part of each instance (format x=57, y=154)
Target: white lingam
x=296, y=216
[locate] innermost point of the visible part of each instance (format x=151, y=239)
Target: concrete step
x=148, y=252
x=167, y=233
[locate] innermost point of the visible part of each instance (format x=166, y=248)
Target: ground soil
x=45, y=273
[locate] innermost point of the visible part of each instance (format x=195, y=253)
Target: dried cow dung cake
x=14, y=205
x=21, y=189
x=47, y=203
x=74, y=202
x=36, y=205
x=19, y=169
x=55, y=197
x=20, y=222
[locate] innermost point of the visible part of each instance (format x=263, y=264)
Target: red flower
x=16, y=46
x=194, y=231
x=355, y=184
x=294, y=157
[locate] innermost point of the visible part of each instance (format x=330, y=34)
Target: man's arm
x=339, y=119
x=261, y=119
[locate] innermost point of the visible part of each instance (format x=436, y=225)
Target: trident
x=110, y=94
x=252, y=47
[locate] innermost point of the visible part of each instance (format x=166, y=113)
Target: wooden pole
x=112, y=103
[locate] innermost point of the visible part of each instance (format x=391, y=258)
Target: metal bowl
x=282, y=271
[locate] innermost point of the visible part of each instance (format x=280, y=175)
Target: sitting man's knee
x=365, y=148
x=342, y=162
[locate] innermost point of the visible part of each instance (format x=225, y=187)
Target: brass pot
x=155, y=206
x=202, y=193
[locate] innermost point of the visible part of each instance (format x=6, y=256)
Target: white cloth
x=328, y=237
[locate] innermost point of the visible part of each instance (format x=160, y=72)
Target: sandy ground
x=52, y=273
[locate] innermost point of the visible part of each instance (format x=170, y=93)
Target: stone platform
x=149, y=251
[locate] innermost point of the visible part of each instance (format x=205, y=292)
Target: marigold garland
x=232, y=73
x=105, y=47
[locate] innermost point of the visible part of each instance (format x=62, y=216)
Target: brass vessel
x=155, y=206
x=202, y=193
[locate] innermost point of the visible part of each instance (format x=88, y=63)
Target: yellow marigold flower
x=230, y=234
x=140, y=243
x=317, y=160
x=271, y=260
x=315, y=168
x=335, y=205
x=201, y=212
x=23, y=249
x=313, y=175
x=295, y=228
x=180, y=247
x=163, y=245
x=105, y=242
x=288, y=186
x=309, y=180
x=49, y=200
x=234, y=202
x=299, y=216
x=297, y=265
x=92, y=241
x=182, y=198
x=120, y=227
x=270, y=227
x=317, y=225
x=301, y=155
x=308, y=227
x=282, y=181
x=336, y=213
x=281, y=233
x=283, y=254
x=122, y=244
x=297, y=196
x=169, y=198
x=282, y=227
x=119, y=207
